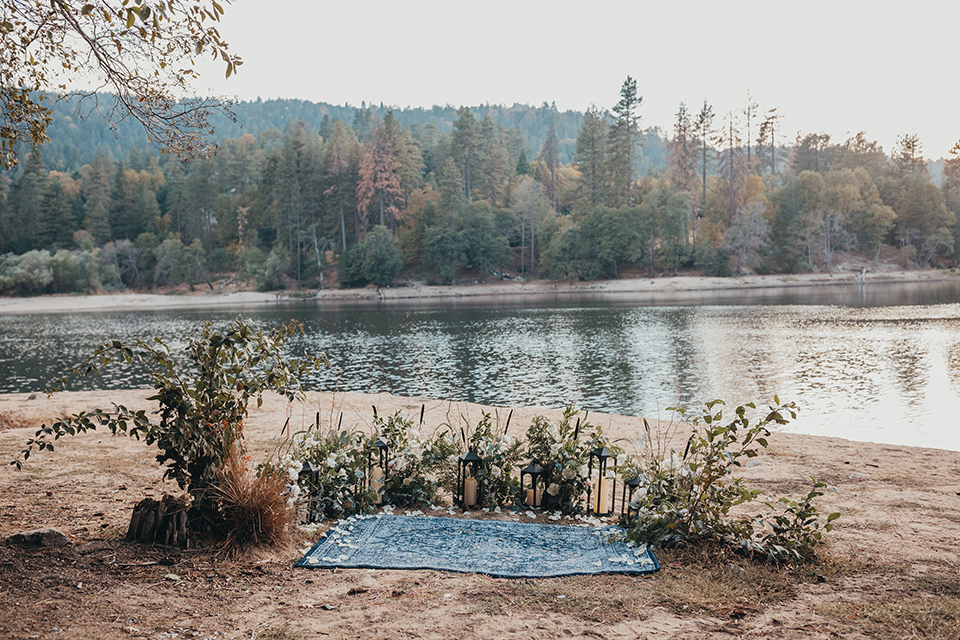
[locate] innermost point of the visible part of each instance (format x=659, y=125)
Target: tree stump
x=161, y=521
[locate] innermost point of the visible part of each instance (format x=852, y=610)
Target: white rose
x=331, y=461
x=553, y=489
x=406, y=481
x=568, y=473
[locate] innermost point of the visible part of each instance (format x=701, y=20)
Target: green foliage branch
x=202, y=404
x=688, y=498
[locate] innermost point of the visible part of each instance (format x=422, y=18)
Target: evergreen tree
x=340, y=166
x=465, y=148
x=96, y=193
x=551, y=162
x=683, y=153
x=55, y=225
x=523, y=165
x=591, y=156
x=623, y=141
x=27, y=201
x=704, y=128
x=732, y=167
x=382, y=259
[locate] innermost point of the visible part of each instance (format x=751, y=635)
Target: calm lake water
x=878, y=363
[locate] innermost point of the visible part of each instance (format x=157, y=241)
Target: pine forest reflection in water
x=880, y=373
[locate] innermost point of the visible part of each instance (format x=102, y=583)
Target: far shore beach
x=640, y=289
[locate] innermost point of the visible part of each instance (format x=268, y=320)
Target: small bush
x=253, y=506
x=688, y=498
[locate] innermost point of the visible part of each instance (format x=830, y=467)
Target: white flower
x=621, y=459
x=568, y=473
x=293, y=473
x=584, y=471
x=331, y=461
x=406, y=481
x=553, y=489
x=495, y=471
x=610, y=473
x=554, y=449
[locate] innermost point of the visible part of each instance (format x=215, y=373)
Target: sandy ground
x=895, y=552
x=636, y=289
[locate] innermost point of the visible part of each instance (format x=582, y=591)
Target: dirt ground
x=891, y=568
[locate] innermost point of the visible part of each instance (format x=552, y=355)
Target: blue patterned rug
x=496, y=548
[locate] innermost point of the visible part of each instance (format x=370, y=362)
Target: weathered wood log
x=161, y=521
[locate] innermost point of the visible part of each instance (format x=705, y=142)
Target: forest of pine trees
x=369, y=195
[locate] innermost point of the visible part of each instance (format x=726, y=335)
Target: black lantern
x=535, y=492
x=309, y=476
x=629, y=487
x=600, y=494
x=377, y=468
x=467, y=490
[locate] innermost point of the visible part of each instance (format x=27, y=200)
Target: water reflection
x=883, y=373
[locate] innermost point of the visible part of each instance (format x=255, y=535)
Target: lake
x=878, y=363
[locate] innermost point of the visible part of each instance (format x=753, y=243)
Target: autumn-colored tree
x=378, y=188
x=143, y=54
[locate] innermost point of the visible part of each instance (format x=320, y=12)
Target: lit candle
x=470, y=492
x=376, y=484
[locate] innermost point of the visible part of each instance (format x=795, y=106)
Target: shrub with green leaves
x=688, y=497
x=202, y=400
x=792, y=529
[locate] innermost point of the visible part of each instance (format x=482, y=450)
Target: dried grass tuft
x=254, y=507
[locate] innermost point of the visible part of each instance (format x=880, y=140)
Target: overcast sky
x=837, y=66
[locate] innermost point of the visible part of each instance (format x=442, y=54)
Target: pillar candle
x=470, y=492
x=604, y=495
x=376, y=484
x=529, y=500
x=601, y=501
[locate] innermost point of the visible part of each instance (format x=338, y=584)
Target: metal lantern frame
x=467, y=462
x=382, y=461
x=383, y=457
x=535, y=471
x=602, y=456
x=629, y=488
x=311, y=474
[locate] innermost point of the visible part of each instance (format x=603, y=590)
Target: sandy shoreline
x=641, y=289
x=896, y=546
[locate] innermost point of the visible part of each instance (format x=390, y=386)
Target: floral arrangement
x=501, y=454
x=339, y=485
x=563, y=450
x=414, y=460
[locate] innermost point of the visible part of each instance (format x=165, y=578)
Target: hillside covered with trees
x=305, y=195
